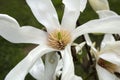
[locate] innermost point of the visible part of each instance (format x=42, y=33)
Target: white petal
x=51, y=61
x=72, y=12
x=99, y=4
x=68, y=66
x=76, y=78
x=37, y=71
x=10, y=30
x=69, y=19
x=108, y=38
x=103, y=74
x=111, y=53
x=59, y=67
x=22, y=68
x=104, y=25
x=112, y=47
x=75, y=5
x=106, y=13
x=45, y=13
x=111, y=57
x=83, y=4
x=33, y=34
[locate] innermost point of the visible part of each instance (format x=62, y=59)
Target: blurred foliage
x=11, y=54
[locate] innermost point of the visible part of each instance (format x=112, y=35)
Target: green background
x=10, y=53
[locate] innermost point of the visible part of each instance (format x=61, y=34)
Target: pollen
x=58, y=39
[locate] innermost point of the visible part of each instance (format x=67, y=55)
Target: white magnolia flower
x=57, y=38
x=108, y=62
x=108, y=58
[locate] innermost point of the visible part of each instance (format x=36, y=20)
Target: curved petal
x=51, y=61
x=72, y=12
x=99, y=4
x=108, y=38
x=33, y=34
x=111, y=52
x=104, y=25
x=111, y=57
x=113, y=47
x=45, y=13
x=59, y=67
x=69, y=19
x=68, y=66
x=75, y=5
x=83, y=4
x=10, y=30
x=103, y=74
x=106, y=13
x=75, y=77
x=23, y=67
x=37, y=71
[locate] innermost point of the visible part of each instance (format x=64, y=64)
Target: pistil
x=58, y=39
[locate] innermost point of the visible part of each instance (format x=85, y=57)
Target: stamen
x=58, y=39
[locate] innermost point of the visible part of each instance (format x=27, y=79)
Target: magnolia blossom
x=108, y=58
x=57, y=38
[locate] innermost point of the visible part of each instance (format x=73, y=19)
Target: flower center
x=58, y=39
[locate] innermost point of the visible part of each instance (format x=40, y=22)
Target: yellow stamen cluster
x=58, y=39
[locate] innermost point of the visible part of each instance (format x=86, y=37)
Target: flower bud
x=99, y=4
